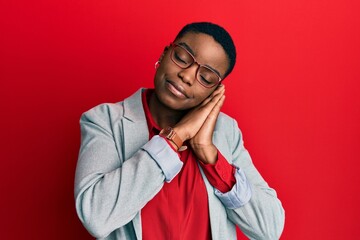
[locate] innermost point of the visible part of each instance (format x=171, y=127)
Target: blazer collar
x=133, y=108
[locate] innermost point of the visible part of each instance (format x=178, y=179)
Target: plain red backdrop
x=295, y=92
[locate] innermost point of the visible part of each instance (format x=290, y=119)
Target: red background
x=295, y=92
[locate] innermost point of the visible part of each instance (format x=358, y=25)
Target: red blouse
x=180, y=209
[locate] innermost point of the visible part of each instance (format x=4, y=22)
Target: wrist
x=172, y=136
x=207, y=154
x=181, y=133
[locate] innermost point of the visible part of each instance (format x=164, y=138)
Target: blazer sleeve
x=110, y=190
x=263, y=216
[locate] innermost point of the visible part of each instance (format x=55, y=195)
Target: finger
x=209, y=102
x=215, y=96
x=220, y=86
x=216, y=109
x=210, y=121
x=218, y=90
x=206, y=101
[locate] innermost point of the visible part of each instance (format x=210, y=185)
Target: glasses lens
x=207, y=77
x=181, y=57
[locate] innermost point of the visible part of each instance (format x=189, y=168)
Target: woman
x=165, y=163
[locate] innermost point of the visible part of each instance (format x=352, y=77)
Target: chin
x=171, y=103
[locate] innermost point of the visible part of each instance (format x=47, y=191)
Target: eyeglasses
x=206, y=76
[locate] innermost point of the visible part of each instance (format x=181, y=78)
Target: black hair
x=219, y=34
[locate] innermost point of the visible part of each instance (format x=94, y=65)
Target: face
x=178, y=88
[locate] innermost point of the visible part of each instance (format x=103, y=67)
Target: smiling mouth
x=175, y=90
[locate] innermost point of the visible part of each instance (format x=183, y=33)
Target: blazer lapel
x=136, y=134
x=135, y=128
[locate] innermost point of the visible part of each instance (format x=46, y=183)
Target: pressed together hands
x=198, y=125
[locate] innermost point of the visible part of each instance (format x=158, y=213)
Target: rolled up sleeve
x=167, y=159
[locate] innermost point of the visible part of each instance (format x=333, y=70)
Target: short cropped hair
x=219, y=34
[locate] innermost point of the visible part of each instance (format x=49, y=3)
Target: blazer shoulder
x=130, y=108
x=225, y=122
x=104, y=113
x=227, y=125
x=224, y=117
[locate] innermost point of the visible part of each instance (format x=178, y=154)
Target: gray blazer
x=116, y=176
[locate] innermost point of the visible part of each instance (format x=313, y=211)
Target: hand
x=198, y=126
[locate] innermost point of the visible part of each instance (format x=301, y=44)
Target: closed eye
x=179, y=59
x=204, y=80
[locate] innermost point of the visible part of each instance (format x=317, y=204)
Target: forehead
x=206, y=50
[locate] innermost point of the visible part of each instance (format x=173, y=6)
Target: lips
x=176, y=89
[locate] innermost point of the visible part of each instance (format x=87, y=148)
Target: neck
x=162, y=115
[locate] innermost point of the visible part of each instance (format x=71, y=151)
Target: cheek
x=203, y=94
x=164, y=69
x=157, y=76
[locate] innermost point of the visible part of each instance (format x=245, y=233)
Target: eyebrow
x=187, y=47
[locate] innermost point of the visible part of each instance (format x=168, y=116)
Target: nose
x=188, y=75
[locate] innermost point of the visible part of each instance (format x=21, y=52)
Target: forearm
x=253, y=205
x=221, y=175
x=262, y=217
x=106, y=201
x=205, y=153
x=110, y=190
